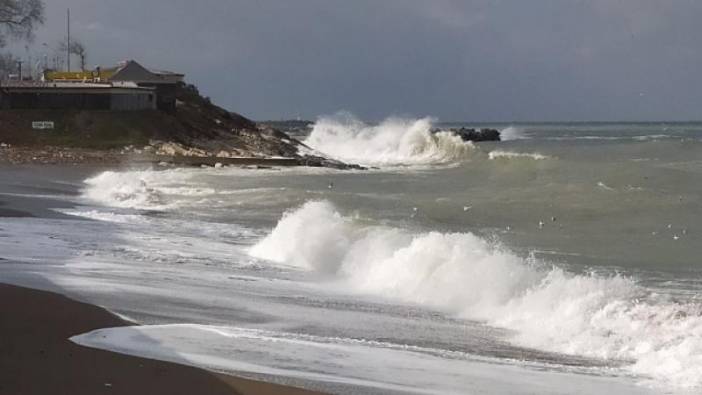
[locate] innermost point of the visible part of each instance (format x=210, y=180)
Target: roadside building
x=163, y=83
x=32, y=95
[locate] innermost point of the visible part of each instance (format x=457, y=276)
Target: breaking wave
x=149, y=189
x=393, y=142
x=176, y=188
x=124, y=189
x=607, y=317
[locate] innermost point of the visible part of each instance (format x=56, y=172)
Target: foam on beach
x=359, y=363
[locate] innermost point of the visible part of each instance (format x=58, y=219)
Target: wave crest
x=549, y=308
x=393, y=142
x=126, y=190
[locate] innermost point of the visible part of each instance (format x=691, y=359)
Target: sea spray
x=512, y=133
x=393, y=142
x=124, y=189
x=607, y=317
x=320, y=247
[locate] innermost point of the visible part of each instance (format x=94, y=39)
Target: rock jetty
x=475, y=135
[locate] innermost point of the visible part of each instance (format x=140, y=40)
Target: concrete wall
x=165, y=95
x=48, y=99
x=55, y=101
x=133, y=102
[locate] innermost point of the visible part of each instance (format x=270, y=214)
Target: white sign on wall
x=43, y=125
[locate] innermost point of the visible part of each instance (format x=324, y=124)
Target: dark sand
x=9, y=213
x=36, y=356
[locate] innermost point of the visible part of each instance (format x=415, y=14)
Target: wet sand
x=36, y=356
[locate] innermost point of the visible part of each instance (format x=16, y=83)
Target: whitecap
x=607, y=317
x=393, y=142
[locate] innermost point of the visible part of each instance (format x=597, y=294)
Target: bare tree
x=19, y=19
x=8, y=65
x=75, y=48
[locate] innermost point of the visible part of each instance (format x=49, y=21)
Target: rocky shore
x=51, y=155
x=197, y=132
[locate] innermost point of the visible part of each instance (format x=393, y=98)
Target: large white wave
x=548, y=308
x=393, y=142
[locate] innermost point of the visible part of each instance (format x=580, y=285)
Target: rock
x=477, y=135
x=335, y=164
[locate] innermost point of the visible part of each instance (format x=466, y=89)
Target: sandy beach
x=36, y=356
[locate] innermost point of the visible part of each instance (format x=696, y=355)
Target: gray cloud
x=456, y=60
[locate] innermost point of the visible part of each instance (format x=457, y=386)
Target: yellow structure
x=80, y=76
x=127, y=73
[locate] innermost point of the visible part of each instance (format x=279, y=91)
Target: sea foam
x=125, y=189
x=607, y=317
x=494, y=155
x=512, y=133
x=393, y=142
x=361, y=364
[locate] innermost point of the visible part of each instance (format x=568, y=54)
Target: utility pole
x=46, y=56
x=68, y=41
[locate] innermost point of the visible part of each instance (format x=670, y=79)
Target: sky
x=463, y=60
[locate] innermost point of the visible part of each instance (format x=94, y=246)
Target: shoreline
x=37, y=357
x=55, y=155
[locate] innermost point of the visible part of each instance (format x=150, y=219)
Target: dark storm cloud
x=467, y=60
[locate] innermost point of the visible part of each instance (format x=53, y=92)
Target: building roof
x=128, y=71
x=83, y=87
x=166, y=73
x=133, y=71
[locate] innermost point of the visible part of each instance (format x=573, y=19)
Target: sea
x=565, y=259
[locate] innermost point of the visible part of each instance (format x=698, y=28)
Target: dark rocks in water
x=477, y=135
x=318, y=161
